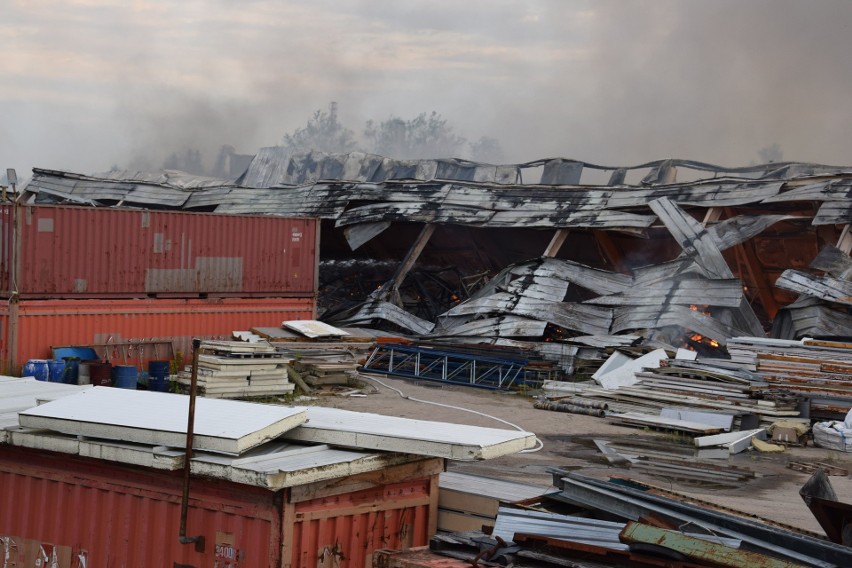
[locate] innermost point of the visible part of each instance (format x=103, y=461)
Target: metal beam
x=844, y=243
x=412, y=255
x=746, y=253
x=610, y=251
x=556, y=243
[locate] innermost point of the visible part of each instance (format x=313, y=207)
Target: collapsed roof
x=583, y=249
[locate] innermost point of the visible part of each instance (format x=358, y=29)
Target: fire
x=705, y=310
x=698, y=338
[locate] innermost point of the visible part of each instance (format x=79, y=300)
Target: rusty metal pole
x=190, y=426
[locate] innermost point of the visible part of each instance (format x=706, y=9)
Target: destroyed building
x=556, y=256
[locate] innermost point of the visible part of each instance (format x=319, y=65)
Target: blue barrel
x=72, y=367
x=124, y=376
x=158, y=376
x=56, y=370
x=36, y=368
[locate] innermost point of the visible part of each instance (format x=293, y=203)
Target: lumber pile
x=235, y=369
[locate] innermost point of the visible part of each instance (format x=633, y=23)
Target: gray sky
x=86, y=84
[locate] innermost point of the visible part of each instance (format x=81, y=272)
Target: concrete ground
x=568, y=443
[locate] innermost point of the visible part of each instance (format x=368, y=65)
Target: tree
x=421, y=137
x=190, y=162
x=322, y=133
x=770, y=154
x=487, y=150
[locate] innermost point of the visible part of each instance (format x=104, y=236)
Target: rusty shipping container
x=83, y=512
x=80, y=252
x=32, y=327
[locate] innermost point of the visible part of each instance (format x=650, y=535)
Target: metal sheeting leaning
x=381, y=310
x=824, y=287
x=683, y=291
x=562, y=527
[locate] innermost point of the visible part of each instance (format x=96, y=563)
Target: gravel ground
x=568, y=443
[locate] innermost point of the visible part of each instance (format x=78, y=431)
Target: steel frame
x=444, y=366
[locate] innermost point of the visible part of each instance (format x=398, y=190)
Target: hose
x=539, y=443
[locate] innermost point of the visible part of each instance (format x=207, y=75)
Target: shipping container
x=32, y=327
x=89, y=252
x=83, y=512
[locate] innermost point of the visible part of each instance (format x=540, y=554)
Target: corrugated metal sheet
x=113, y=515
x=100, y=252
x=41, y=324
x=119, y=516
x=4, y=337
x=343, y=530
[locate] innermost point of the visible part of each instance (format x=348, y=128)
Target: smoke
x=91, y=84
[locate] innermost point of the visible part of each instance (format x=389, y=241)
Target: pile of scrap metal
x=668, y=263
x=593, y=523
x=817, y=369
x=694, y=395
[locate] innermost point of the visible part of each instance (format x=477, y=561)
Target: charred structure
x=668, y=253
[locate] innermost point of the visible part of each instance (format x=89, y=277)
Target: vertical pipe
x=190, y=427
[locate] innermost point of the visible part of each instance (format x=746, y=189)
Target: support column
x=556, y=243
x=610, y=251
x=844, y=243
x=411, y=256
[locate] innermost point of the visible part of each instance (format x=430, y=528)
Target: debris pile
x=235, y=369
x=818, y=370
x=588, y=522
x=318, y=371
x=693, y=396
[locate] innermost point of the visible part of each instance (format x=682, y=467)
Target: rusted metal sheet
x=833, y=261
x=102, y=252
x=36, y=325
x=4, y=337
x=699, y=549
x=116, y=515
x=418, y=557
x=112, y=515
x=344, y=530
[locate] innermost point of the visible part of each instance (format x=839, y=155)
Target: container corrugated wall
x=5, y=363
x=115, y=515
x=122, y=516
x=40, y=324
x=73, y=252
x=343, y=530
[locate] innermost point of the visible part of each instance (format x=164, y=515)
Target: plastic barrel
x=36, y=368
x=101, y=374
x=72, y=369
x=84, y=376
x=56, y=370
x=158, y=376
x=124, y=376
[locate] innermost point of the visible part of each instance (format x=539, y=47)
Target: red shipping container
x=34, y=326
x=79, y=252
x=96, y=513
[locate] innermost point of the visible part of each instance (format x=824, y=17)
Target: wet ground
x=769, y=487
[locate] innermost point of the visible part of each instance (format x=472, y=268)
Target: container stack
x=164, y=274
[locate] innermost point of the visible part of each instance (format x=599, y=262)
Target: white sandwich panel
x=421, y=437
x=160, y=419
